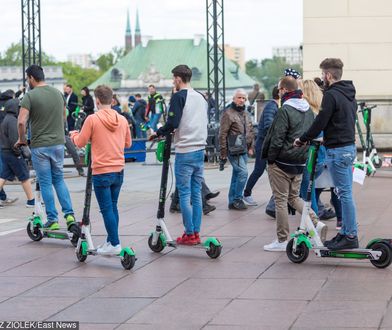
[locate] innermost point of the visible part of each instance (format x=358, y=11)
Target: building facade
x=292, y=54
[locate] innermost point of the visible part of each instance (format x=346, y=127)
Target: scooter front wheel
x=214, y=251
x=300, y=254
x=386, y=256
x=128, y=261
x=34, y=233
x=81, y=252
x=157, y=247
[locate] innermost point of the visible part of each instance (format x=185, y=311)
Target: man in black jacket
x=71, y=100
x=337, y=120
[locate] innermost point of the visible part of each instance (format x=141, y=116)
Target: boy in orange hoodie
x=109, y=134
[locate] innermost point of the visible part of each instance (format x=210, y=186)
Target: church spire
x=138, y=36
x=128, y=34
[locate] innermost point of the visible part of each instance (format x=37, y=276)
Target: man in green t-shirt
x=44, y=107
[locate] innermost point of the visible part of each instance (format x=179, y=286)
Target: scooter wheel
x=301, y=253
x=79, y=253
x=128, y=261
x=386, y=256
x=75, y=230
x=214, y=251
x=377, y=164
x=157, y=247
x=34, y=233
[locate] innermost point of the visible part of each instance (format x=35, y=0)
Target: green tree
x=107, y=60
x=13, y=55
x=79, y=77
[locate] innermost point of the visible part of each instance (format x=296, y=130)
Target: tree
x=79, y=77
x=269, y=71
x=13, y=56
x=107, y=60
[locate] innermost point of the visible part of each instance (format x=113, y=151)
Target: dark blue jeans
x=3, y=195
x=238, y=177
x=260, y=165
x=107, y=189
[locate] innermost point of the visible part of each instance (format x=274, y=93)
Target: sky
x=96, y=26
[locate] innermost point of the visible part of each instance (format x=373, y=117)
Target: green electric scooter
x=306, y=238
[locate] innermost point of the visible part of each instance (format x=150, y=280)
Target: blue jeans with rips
x=188, y=170
x=238, y=177
x=48, y=165
x=340, y=162
x=107, y=188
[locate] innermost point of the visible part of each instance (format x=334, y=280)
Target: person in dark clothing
x=155, y=106
x=265, y=122
x=87, y=101
x=337, y=120
x=71, y=101
x=139, y=114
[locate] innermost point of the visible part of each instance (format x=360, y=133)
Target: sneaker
x=197, y=238
x=30, y=203
x=327, y=214
x=337, y=238
x=212, y=195
x=69, y=219
x=174, y=207
x=102, y=245
x=270, y=213
x=322, y=230
x=109, y=249
x=338, y=224
x=238, y=205
x=276, y=246
x=9, y=201
x=186, y=239
x=208, y=208
x=52, y=225
x=81, y=172
x=344, y=243
x=249, y=201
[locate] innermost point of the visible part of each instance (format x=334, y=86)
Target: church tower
x=138, y=35
x=128, y=35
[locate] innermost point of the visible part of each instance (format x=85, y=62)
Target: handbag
x=236, y=143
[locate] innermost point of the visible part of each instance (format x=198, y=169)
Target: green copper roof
x=137, y=28
x=164, y=55
x=128, y=28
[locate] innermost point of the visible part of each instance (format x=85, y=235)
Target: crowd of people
x=299, y=111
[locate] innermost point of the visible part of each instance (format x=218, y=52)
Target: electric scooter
x=85, y=245
x=37, y=231
x=161, y=238
x=306, y=238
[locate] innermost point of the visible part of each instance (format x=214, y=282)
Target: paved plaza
x=246, y=288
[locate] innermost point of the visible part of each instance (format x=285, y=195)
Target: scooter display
x=37, y=231
x=85, y=245
x=306, y=238
x=161, y=237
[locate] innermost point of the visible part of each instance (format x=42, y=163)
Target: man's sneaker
x=174, y=207
x=109, y=249
x=276, y=246
x=249, y=201
x=337, y=238
x=52, y=225
x=30, y=203
x=186, y=239
x=344, y=243
x=212, y=195
x=238, y=205
x=208, y=208
x=322, y=230
x=270, y=213
x=338, y=224
x=69, y=219
x=81, y=172
x=327, y=214
x=9, y=201
x=197, y=238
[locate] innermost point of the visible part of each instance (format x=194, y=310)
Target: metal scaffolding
x=31, y=34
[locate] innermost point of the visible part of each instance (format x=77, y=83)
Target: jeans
x=304, y=190
x=238, y=177
x=155, y=120
x=258, y=171
x=107, y=189
x=188, y=170
x=334, y=200
x=3, y=195
x=340, y=162
x=140, y=134
x=48, y=165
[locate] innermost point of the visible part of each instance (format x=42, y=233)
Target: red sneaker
x=187, y=239
x=197, y=238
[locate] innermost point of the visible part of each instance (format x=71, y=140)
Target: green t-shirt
x=46, y=115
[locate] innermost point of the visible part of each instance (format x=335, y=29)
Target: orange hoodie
x=109, y=134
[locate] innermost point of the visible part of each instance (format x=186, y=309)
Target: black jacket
x=88, y=104
x=9, y=126
x=336, y=117
x=139, y=110
x=72, y=103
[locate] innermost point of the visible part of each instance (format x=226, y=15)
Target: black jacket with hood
x=336, y=117
x=4, y=97
x=9, y=126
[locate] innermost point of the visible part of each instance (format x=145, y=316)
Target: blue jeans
x=238, y=177
x=188, y=169
x=258, y=171
x=107, y=189
x=340, y=162
x=304, y=189
x=155, y=120
x=48, y=165
x=3, y=195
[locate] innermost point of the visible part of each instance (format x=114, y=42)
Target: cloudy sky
x=95, y=26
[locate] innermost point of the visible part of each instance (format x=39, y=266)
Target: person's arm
x=12, y=131
x=22, y=122
x=128, y=139
x=251, y=135
x=80, y=139
x=269, y=115
x=89, y=106
x=176, y=107
x=223, y=132
x=278, y=135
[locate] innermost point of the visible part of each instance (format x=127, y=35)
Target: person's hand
x=251, y=152
x=153, y=137
x=222, y=162
x=20, y=143
x=298, y=143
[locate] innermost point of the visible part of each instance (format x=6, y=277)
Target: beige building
x=236, y=54
x=358, y=32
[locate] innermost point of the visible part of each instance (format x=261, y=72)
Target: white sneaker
x=276, y=246
x=322, y=230
x=249, y=201
x=109, y=249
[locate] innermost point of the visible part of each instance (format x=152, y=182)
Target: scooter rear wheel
x=386, y=256
x=301, y=253
x=34, y=233
x=377, y=164
x=128, y=261
x=157, y=247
